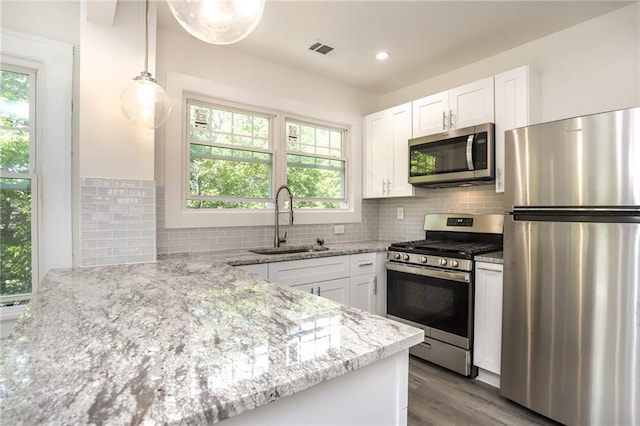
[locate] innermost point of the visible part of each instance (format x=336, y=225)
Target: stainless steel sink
x=288, y=250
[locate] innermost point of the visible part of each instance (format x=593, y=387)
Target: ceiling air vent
x=321, y=48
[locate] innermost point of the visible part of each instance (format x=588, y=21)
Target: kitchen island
x=188, y=341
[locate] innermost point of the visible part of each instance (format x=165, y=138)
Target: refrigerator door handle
x=470, y=152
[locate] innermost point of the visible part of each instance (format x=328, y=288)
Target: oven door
x=438, y=301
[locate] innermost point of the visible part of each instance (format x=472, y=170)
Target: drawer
x=363, y=263
x=306, y=271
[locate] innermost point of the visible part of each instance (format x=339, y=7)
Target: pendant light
x=144, y=103
x=218, y=21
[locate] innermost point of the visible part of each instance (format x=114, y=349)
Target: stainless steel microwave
x=453, y=158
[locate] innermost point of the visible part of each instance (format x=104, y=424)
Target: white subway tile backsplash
x=115, y=213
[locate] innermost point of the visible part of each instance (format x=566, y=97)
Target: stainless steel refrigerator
x=571, y=305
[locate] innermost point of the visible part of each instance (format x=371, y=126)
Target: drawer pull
x=365, y=264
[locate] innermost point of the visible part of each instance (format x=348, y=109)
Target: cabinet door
x=363, y=292
x=336, y=290
x=399, y=135
x=512, y=111
x=376, y=131
x=471, y=104
x=488, y=317
x=430, y=114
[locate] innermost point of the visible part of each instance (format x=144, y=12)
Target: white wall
x=111, y=55
x=588, y=68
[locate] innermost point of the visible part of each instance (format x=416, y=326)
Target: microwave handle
x=470, y=151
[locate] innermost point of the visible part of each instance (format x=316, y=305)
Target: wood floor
x=440, y=397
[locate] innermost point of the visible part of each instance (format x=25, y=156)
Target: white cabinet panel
x=488, y=317
x=456, y=108
x=363, y=263
x=306, y=271
x=261, y=269
x=430, y=114
x=338, y=290
x=386, y=153
x=376, y=130
x=471, y=104
x=363, y=292
x=516, y=105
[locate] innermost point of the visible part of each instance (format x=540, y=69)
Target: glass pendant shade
x=218, y=21
x=144, y=103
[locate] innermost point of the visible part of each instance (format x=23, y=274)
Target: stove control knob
x=423, y=259
x=454, y=263
x=443, y=262
x=406, y=257
x=396, y=256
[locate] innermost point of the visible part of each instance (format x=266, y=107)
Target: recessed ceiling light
x=382, y=56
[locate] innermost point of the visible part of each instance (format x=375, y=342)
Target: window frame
x=181, y=86
x=346, y=144
x=53, y=62
x=31, y=176
x=190, y=100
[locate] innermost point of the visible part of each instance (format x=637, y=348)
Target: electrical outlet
x=339, y=229
x=400, y=213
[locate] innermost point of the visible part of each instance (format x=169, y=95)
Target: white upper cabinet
x=516, y=105
x=386, y=153
x=463, y=106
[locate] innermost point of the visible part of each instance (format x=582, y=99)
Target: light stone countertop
x=188, y=339
x=495, y=257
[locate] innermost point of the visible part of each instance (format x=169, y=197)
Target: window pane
x=314, y=140
x=226, y=172
x=15, y=236
x=14, y=99
x=14, y=151
x=308, y=178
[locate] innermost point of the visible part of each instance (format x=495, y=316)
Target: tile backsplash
x=118, y=221
x=204, y=239
x=379, y=221
x=471, y=199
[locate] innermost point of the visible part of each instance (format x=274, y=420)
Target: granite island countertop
x=183, y=340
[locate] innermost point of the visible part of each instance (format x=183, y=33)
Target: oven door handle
x=428, y=272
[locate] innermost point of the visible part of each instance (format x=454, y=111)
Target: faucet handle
x=283, y=239
x=320, y=241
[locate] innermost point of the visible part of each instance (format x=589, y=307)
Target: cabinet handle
x=383, y=186
x=311, y=290
x=444, y=120
x=484, y=268
x=375, y=285
x=318, y=290
x=500, y=178
x=365, y=264
x=451, y=119
x=388, y=186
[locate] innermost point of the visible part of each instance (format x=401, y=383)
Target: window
x=230, y=158
x=17, y=185
x=316, y=165
x=231, y=148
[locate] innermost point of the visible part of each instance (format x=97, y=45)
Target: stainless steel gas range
x=430, y=284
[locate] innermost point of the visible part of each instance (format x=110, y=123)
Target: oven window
x=433, y=302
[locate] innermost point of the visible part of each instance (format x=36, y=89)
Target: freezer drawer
x=571, y=320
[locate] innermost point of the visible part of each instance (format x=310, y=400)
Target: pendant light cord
x=146, y=36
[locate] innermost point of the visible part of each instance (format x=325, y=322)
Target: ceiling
x=424, y=38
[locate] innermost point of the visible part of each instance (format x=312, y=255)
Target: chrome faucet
x=276, y=239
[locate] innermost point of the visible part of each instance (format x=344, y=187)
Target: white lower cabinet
x=337, y=290
x=488, y=322
x=356, y=280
